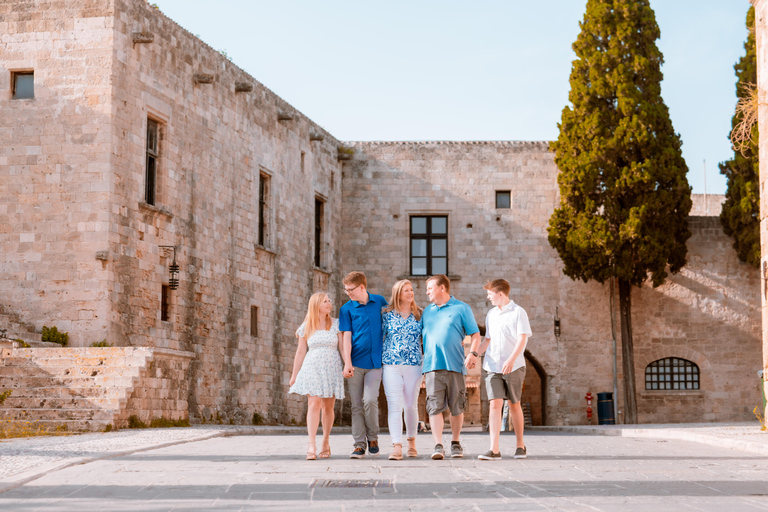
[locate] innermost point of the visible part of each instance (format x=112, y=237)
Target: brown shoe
x=397, y=452
x=412, y=447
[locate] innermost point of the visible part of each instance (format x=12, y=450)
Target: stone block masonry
x=706, y=314
x=83, y=240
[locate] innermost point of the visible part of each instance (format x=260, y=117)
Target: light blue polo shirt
x=444, y=330
x=364, y=322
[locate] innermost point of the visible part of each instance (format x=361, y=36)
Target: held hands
x=470, y=361
x=349, y=371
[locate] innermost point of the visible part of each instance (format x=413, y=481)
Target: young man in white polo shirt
x=506, y=333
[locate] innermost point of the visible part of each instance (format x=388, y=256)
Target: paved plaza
x=216, y=468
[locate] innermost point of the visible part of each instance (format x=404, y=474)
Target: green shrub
x=22, y=343
x=102, y=343
x=5, y=394
x=164, y=423
x=135, y=422
x=53, y=335
x=258, y=419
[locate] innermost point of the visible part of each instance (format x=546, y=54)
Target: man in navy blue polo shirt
x=446, y=322
x=360, y=324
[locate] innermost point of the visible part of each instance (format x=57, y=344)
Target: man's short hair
x=355, y=278
x=497, y=285
x=441, y=280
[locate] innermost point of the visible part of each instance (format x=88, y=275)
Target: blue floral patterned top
x=402, y=339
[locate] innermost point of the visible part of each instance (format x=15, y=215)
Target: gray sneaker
x=439, y=452
x=520, y=453
x=489, y=455
x=457, y=452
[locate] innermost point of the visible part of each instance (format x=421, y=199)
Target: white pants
x=401, y=385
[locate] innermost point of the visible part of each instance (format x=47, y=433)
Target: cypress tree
x=740, y=216
x=624, y=196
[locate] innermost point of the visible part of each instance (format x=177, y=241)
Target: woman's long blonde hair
x=313, y=322
x=394, y=300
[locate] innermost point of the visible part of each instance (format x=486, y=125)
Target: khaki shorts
x=509, y=386
x=445, y=390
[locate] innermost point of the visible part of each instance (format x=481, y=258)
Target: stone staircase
x=84, y=389
x=12, y=327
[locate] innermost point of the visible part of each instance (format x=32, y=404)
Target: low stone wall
x=161, y=390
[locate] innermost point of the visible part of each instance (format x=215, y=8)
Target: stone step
x=71, y=402
x=64, y=392
x=70, y=425
x=74, y=383
x=68, y=361
x=60, y=372
x=57, y=415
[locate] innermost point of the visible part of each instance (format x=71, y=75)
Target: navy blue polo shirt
x=364, y=322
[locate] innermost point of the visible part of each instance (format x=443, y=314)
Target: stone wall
x=85, y=247
x=706, y=313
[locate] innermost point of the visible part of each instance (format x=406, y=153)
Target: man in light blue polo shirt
x=446, y=322
x=360, y=325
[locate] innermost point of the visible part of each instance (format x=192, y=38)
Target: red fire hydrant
x=588, y=398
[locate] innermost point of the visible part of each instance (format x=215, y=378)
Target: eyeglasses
x=350, y=290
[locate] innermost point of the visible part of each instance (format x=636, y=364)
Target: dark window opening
x=165, y=303
x=503, y=199
x=319, y=206
x=303, y=157
x=152, y=157
x=429, y=245
x=263, y=208
x=254, y=321
x=23, y=85
x=672, y=373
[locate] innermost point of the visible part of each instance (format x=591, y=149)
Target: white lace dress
x=321, y=373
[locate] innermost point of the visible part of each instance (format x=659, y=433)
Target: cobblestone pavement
x=565, y=471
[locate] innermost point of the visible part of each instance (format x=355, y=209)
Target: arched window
x=672, y=373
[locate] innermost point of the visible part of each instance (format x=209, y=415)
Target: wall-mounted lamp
x=557, y=323
x=173, y=278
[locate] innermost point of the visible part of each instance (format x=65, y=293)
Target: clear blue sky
x=466, y=70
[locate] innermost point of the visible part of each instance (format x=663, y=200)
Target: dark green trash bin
x=605, y=414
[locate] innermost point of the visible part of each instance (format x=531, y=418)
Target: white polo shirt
x=504, y=327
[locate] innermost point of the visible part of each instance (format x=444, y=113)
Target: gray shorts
x=445, y=390
x=509, y=386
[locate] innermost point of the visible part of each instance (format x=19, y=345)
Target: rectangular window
x=319, y=207
x=429, y=245
x=303, y=156
x=503, y=199
x=23, y=83
x=165, y=303
x=153, y=131
x=254, y=321
x=263, y=210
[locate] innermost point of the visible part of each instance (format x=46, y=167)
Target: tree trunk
x=627, y=352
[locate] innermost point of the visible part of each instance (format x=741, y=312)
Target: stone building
x=155, y=195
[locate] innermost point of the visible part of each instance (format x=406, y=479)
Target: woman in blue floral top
x=401, y=362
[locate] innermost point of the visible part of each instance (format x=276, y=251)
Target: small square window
x=503, y=199
x=23, y=85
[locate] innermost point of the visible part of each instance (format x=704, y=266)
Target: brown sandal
x=325, y=452
x=311, y=450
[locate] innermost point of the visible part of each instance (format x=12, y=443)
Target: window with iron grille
x=153, y=130
x=23, y=83
x=319, y=207
x=672, y=373
x=429, y=245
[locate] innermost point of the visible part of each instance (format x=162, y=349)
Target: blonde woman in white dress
x=317, y=370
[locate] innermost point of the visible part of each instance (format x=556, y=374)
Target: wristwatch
x=474, y=353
